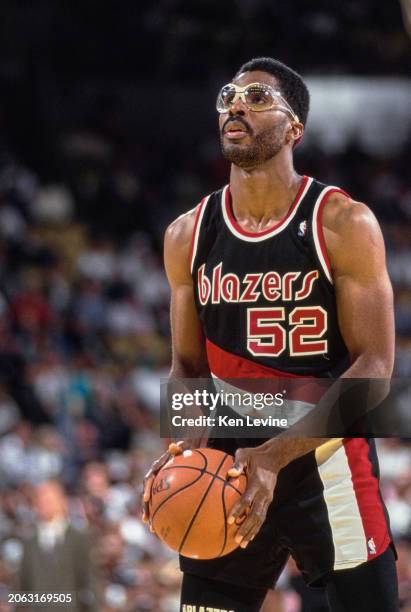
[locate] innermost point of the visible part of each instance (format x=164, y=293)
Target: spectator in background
x=84, y=304
x=57, y=558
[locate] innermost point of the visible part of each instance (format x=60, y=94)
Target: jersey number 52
x=267, y=336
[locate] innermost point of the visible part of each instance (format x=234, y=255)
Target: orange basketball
x=191, y=500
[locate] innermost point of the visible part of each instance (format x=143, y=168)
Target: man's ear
x=296, y=133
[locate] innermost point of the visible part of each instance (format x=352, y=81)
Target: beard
x=264, y=146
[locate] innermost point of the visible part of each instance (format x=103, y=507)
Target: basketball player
x=278, y=275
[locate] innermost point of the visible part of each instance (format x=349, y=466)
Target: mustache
x=237, y=119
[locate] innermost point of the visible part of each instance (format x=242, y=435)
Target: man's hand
x=261, y=470
x=173, y=449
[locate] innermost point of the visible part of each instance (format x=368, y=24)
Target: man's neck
x=263, y=195
x=58, y=522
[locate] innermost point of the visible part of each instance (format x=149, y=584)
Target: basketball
x=191, y=500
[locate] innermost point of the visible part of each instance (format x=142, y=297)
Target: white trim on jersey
x=276, y=230
x=316, y=234
x=199, y=219
x=349, y=539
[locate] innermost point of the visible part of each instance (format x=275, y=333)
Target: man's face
x=50, y=501
x=250, y=138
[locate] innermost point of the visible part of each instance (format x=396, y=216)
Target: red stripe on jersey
x=320, y=231
x=367, y=493
x=227, y=366
x=276, y=225
x=193, y=235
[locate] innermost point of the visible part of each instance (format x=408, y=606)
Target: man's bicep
x=187, y=335
x=189, y=359
x=364, y=293
x=365, y=316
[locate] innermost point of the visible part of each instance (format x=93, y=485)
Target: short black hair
x=292, y=86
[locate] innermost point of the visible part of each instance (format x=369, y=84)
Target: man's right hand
x=175, y=448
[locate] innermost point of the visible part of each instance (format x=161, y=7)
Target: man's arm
x=189, y=358
x=363, y=289
x=188, y=349
x=364, y=300
x=365, y=313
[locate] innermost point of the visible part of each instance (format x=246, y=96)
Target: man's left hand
x=259, y=466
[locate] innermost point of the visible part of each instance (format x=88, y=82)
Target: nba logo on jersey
x=302, y=229
x=371, y=546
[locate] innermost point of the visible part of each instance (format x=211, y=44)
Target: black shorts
x=371, y=586
x=327, y=512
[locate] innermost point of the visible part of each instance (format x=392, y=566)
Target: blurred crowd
x=85, y=340
x=103, y=141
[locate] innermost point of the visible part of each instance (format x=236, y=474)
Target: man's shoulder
x=180, y=231
x=351, y=232
x=344, y=214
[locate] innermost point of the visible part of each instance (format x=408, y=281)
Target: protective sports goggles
x=257, y=97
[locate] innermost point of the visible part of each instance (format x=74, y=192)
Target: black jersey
x=267, y=297
x=268, y=309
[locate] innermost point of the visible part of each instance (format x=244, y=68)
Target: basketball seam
x=225, y=520
x=201, y=502
x=202, y=472
x=196, y=450
x=161, y=504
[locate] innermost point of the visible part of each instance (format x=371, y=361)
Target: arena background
x=107, y=132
